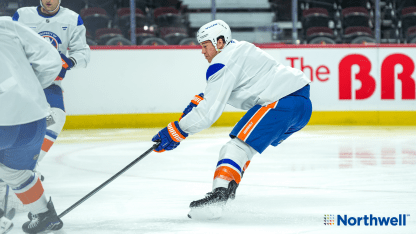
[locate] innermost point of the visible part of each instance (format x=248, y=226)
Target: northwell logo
x=366, y=220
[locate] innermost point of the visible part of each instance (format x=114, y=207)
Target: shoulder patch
x=15, y=16
x=214, y=68
x=80, y=22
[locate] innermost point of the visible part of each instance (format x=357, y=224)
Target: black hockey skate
x=213, y=204
x=46, y=221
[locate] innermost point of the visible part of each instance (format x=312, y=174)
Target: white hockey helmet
x=212, y=30
x=41, y=4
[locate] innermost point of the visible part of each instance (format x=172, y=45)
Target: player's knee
x=59, y=118
x=14, y=178
x=238, y=151
x=248, y=150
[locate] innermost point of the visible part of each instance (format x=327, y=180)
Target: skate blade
x=206, y=213
x=7, y=230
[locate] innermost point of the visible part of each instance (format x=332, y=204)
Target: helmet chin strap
x=41, y=4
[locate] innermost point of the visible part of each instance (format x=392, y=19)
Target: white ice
x=353, y=171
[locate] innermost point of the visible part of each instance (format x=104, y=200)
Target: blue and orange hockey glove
x=194, y=103
x=169, y=137
x=67, y=64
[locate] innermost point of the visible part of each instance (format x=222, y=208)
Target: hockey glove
x=169, y=137
x=194, y=103
x=67, y=64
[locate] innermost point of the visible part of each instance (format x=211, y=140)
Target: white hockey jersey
x=22, y=99
x=65, y=31
x=243, y=76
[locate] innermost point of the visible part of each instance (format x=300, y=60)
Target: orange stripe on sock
x=47, y=144
x=227, y=173
x=245, y=166
x=31, y=195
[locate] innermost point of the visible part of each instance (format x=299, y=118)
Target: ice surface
x=353, y=171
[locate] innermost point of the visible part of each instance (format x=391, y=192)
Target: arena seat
x=322, y=41
x=315, y=23
x=173, y=35
x=142, y=34
x=167, y=17
x=329, y=5
x=118, y=41
x=123, y=19
x=189, y=41
x=411, y=34
x=95, y=18
x=103, y=35
x=351, y=33
x=408, y=18
x=355, y=17
x=353, y=3
x=322, y=32
x=154, y=41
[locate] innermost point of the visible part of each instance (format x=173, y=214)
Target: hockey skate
x=212, y=206
x=5, y=224
x=47, y=221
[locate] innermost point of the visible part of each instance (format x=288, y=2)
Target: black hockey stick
x=109, y=180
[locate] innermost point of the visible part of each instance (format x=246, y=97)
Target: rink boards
x=150, y=86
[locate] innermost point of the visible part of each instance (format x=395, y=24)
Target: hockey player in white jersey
x=28, y=65
x=65, y=30
x=243, y=76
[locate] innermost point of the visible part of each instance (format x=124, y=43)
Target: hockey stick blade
x=109, y=180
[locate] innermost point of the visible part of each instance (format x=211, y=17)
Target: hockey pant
x=259, y=128
x=56, y=120
x=19, y=152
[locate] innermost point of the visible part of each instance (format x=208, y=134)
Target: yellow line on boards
x=156, y=120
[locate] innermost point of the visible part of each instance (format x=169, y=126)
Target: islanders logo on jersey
x=52, y=38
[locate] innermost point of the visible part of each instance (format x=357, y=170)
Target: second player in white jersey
x=65, y=30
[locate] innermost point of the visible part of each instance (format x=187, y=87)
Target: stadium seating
x=320, y=35
x=408, y=18
x=358, y=35
x=167, y=17
x=328, y=5
x=142, y=34
x=95, y=18
x=315, y=23
x=411, y=35
x=176, y=21
x=154, y=41
x=118, y=41
x=355, y=22
x=189, y=41
x=173, y=35
x=123, y=19
x=103, y=35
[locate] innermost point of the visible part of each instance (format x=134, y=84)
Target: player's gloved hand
x=67, y=64
x=197, y=99
x=169, y=137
